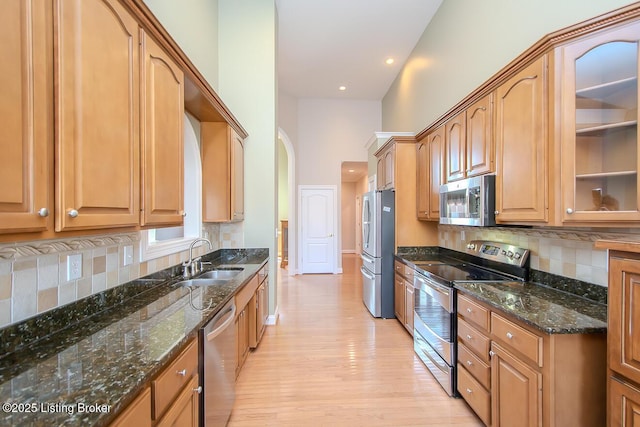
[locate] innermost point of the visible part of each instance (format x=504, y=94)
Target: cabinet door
x=600, y=156
x=624, y=404
x=422, y=183
x=516, y=391
x=138, y=413
x=184, y=412
x=380, y=180
x=408, y=306
x=162, y=136
x=25, y=105
x=398, y=295
x=97, y=115
x=436, y=160
x=479, y=143
x=624, y=317
x=521, y=146
x=242, y=331
x=455, y=134
x=237, y=177
x=389, y=167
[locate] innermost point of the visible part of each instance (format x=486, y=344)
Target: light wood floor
x=329, y=363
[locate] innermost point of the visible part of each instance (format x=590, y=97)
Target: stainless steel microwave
x=469, y=201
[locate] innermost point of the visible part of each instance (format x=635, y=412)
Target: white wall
x=348, y=217
x=465, y=44
x=193, y=24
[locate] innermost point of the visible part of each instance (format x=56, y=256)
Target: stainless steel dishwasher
x=218, y=377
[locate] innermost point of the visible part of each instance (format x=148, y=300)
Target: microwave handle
x=467, y=205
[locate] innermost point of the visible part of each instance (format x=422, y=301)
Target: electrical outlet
x=128, y=255
x=74, y=266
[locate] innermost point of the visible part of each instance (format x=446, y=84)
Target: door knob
x=330, y=235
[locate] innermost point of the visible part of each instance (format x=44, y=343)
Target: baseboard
x=272, y=319
x=348, y=251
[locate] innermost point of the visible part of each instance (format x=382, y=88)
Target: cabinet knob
x=469, y=390
x=569, y=211
x=496, y=212
x=44, y=212
x=73, y=213
x=183, y=213
x=469, y=337
x=469, y=310
x=182, y=373
x=469, y=363
x=198, y=390
x=509, y=335
x=491, y=353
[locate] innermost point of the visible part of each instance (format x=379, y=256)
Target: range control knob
x=517, y=255
x=503, y=252
x=510, y=254
x=471, y=246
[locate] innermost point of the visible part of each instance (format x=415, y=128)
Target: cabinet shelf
x=605, y=174
x=604, y=90
x=602, y=128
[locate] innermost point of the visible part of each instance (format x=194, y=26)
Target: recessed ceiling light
x=352, y=170
x=342, y=88
x=389, y=61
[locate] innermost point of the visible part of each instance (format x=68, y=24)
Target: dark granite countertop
x=107, y=357
x=547, y=303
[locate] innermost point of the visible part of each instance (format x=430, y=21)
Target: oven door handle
x=366, y=274
x=437, y=292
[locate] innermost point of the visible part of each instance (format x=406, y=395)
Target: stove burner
x=460, y=272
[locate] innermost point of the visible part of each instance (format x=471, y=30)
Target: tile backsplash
x=564, y=252
x=33, y=275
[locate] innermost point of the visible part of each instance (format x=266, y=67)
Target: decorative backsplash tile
x=564, y=252
x=33, y=274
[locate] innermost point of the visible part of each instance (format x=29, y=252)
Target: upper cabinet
x=97, y=115
x=386, y=167
x=222, y=173
x=162, y=136
x=469, y=141
x=599, y=84
x=429, y=174
x=26, y=135
x=522, y=146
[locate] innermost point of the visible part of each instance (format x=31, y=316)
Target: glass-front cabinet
x=599, y=149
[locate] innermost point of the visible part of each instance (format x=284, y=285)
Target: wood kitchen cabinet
x=404, y=295
x=469, y=141
x=259, y=308
x=522, y=146
x=138, y=413
x=252, y=302
x=242, y=331
x=97, y=113
x=599, y=113
x=162, y=136
x=624, y=403
x=513, y=374
x=386, y=164
x=26, y=136
x=429, y=174
x=222, y=173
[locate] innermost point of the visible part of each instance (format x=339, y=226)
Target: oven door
x=434, y=316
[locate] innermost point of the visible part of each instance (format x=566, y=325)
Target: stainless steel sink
x=220, y=274
x=202, y=282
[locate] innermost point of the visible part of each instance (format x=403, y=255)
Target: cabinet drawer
x=480, y=370
x=473, y=339
x=399, y=267
x=408, y=273
x=473, y=312
x=476, y=396
x=171, y=381
x=518, y=338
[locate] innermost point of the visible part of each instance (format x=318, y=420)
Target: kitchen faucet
x=190, y=267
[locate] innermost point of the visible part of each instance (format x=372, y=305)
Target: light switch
x=74, y=266
x=128, y=255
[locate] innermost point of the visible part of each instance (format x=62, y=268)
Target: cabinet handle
x=469, y=363
x=569, y=211
x=182, y=373
x=468, y=310
x=198, y=390
x=183, y=213
x=491, y=353
x=469, y=390
x=44, y=212
x=73, y=213
x=469, y=337
x=509, y=335
x=496, y=212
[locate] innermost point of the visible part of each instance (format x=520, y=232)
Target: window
x=166, y=241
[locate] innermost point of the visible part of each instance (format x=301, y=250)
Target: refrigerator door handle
x=366, y=258
x=366, y=274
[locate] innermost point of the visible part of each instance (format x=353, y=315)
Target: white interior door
x=317, y=229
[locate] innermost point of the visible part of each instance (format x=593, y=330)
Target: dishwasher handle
x=231, y=311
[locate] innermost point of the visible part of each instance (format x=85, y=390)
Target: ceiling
x=353, y=171
x=325, y=44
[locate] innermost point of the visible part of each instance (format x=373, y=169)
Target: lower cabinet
x=185, y=409
x=512, y=374
x=138, y=413
x=624, y=404
x=398, y=297
x=403, y=295
x=242, y=329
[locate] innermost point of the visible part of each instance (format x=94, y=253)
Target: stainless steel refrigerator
x=378, y=244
